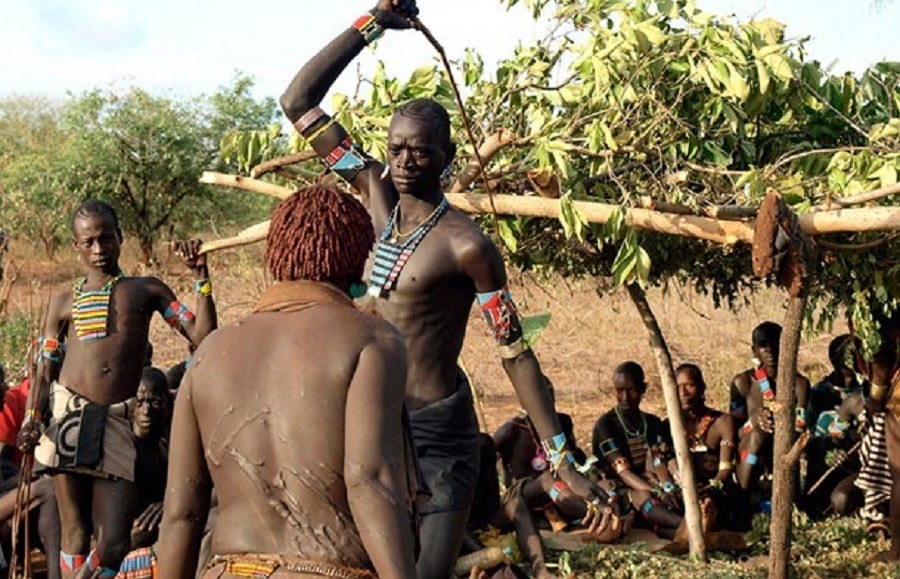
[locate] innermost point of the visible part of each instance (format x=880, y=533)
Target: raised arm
x=50, y=347
x=193, y=326
x=374, y=462
x=188, y=491
x=307, y=89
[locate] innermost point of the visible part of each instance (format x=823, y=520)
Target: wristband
x=309, y=118
x=50, y=349
x=203, y=287
x=878, y=392
x=556, y=490
x=368, y=28
x=724, y=465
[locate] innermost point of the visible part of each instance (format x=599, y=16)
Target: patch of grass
x=835, y=547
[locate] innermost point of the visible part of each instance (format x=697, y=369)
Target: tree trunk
x=783, y=477
x=146, y=244
x=676, y=423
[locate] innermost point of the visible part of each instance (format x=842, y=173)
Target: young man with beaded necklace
x=92, y=354
x=626, y=440
x=431, y=263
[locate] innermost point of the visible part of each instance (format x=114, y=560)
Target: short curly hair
x=319, y=234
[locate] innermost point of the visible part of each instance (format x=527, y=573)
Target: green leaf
x=533, y=326
x=780, y=66
x=763, y=75
x=507, y=234
x=887, y=175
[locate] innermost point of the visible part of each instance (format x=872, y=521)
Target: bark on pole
x=817, y=222
x=784, y=460
x=676, y=422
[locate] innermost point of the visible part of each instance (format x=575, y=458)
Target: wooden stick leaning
x=23, y=486
x=834, y=467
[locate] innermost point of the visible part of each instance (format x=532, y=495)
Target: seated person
x=524, y=462
x=834, y=406
x=752, y=402
x=43, y=515
x=625, y=440
x=507, y=513
x=151, y=431
x=13, y=403
x=710, y=435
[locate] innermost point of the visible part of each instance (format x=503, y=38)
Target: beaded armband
x=557, y=455
x=800, y=419
x=749, y=457
x=51, y=349
x=309, y=118
x=368, y=28
x=203, y=287
x=500, y=311
x=724, y=465
x=556, y=490
x=878, y=392
x=177, y=314
x=346, y=160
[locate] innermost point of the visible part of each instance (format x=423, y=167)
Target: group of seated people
x=632, y=459
x=731, y=454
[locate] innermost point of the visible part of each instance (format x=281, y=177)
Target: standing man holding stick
x=431, y=263
x=92, y=355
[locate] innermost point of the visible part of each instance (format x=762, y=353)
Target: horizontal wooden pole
x=817, y=222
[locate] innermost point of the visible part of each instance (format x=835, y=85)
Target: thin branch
x=790, y=158
x=868, y=196
x=834, y=109
x=277, y=163
x=856, y=246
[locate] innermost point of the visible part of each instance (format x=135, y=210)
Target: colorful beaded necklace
x=90, y=309
x=391, y=255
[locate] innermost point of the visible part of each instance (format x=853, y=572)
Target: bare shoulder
x=475, y=252
x=60, y=306
x=380, y=333
x=468, y=238
x=742, y=382
x=725, y=422
x=802, y=382
x=150, y=283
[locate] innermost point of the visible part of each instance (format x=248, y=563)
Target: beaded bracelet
x=557, y=455
x=369, y=28
x=878, y=392
x=556, y=490
x=203, y=287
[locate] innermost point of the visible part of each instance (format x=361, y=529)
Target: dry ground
x=587, y=337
